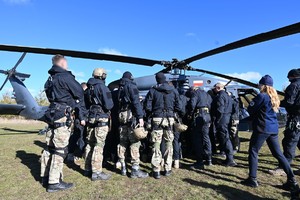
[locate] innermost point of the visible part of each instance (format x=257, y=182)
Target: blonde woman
x=263, y=110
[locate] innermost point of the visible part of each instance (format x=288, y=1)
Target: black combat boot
x=208, y=161
x=137, y=173
x=123, y=169
x=197, y=166
x=59, y=186
x=251, y=182
x=230, y=163
x=168, y=173
x=100, y=176
x=291, y=185
x=44, y=181
x=87, y=173
x=156, y=175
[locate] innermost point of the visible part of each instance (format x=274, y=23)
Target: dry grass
x=19, y=174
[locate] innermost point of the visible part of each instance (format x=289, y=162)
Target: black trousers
x=256, y=142
x=201, y=139
x=224, y=137
x=290, y=141
x=176, y=146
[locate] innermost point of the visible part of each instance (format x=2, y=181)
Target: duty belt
x=98, y=124
x=56, y=125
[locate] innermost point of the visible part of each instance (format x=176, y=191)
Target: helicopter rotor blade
x=81, y=54
x=262, y=37
x=19, y=61
x=255, y=85
x=4, y=83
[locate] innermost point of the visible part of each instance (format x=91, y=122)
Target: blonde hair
x=273, y=95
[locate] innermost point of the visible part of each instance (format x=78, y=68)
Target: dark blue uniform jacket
x=222, y=105
x=99, y=95
x=263, y=116
x=66, y=90
x=129, y=97
x=163, y=101
x=199, y=99
x=291, y=100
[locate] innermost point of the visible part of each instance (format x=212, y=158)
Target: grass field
x=20, y=149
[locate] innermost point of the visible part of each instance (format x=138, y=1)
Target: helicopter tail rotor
x=13, y=72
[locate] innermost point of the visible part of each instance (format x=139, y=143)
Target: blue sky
x=157, y=29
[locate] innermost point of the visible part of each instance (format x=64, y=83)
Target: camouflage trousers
x=162, y=129
x=96, y=137
x=127, y=137
x=52, y=160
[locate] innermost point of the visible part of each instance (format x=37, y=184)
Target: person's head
x=127, y=75
x=293, y=74
x=60, y=61
x=160, y=78
x=218, y=87
x=84, y=85
x=99, y=73
x=266, y=86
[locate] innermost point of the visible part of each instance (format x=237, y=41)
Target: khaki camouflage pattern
x=127, y=137
x=52, y=164
x=162, y=132
x=95, y=144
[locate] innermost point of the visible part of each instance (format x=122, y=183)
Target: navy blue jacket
x=291, y=100
x=199, y=99
x=163, y=101
x=129, y=97
x=99, y=94
x=263, y=116
x=222, y=105
x=64, y=89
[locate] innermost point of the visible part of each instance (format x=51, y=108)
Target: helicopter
x=175, y=71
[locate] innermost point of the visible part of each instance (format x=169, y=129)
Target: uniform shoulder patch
x=252, y=103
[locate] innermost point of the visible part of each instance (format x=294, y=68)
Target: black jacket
x=129, y=98
x=235, y=115
x=99, y=94
x=62, y=88
x=222, y=105
x=163, y=101
x=291, y=100
x=199, y=99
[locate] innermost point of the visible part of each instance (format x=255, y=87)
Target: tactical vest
x=49, y=88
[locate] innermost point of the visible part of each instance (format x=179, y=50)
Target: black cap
x=127, y=75
x=294, y=73
x=160, y=78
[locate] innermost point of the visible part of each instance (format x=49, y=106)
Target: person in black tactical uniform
x=234, y=123
x=199, y=107
x=223, y=110
x=77, y=138
x=162, y=102
x=64, y=94
x=99, y=104
x=130, y=115
x=291, y=103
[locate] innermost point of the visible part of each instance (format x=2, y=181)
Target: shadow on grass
x=227, y=191
x=17, y=131
x=31, y=161
x=40, y=144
